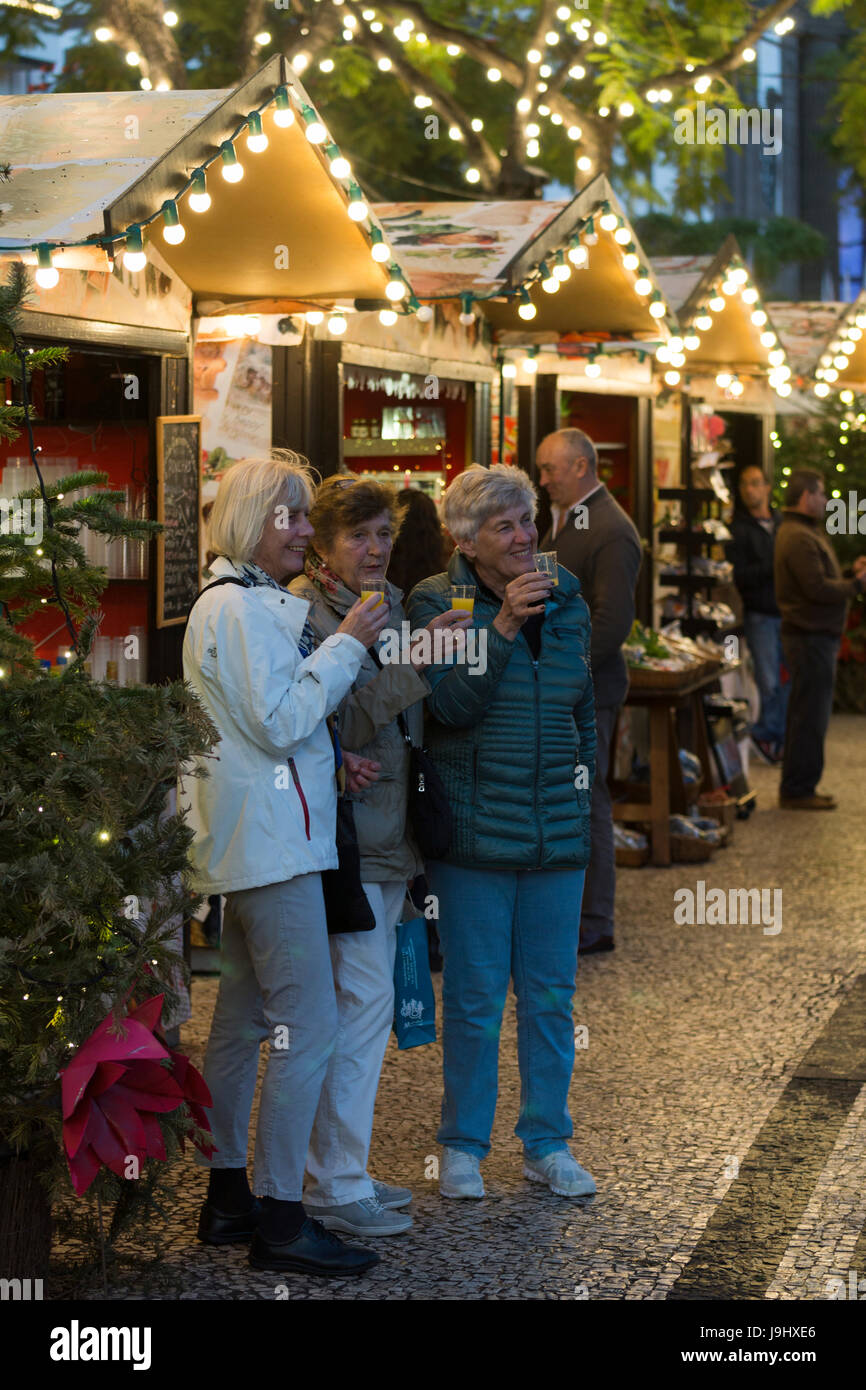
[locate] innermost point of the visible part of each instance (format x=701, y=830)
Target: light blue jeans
x=764, y=636
x=497, y=926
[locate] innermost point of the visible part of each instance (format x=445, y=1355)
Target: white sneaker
x=562, y=1173
x=460, y=1174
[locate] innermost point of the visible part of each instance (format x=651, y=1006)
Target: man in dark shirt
x=813, y=599
x=599, y=543
x=753, y=539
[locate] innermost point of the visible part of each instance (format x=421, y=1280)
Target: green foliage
x=372, y=116
x=767, y=245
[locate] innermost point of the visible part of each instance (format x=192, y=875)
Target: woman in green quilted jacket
x=513, y=737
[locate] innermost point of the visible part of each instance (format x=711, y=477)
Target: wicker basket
x=648, y=678
x=725, y=812
x=686, y=849
x=627, y=858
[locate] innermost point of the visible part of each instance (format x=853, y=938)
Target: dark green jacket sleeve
x=458, y=697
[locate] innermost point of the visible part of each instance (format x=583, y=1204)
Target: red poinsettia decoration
x=113, y=1089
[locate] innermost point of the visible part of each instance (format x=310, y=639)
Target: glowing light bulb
x=530, y=365
x=314, y=317
x=776, y=357
x=357, y=208
x=199, y=198
x=759, y=318
x=579, y=256
x=340, y=167
x=134, y=258
x=642, y=285
x=133, y=58
x=387, y=318
x=584, y=164
x=102, y=34
x=337, y=324
x=672, y=378
x=691, y=342
x=768, y=339
x=749, y=55
x=821, y=388
x=657, y=309
x=717, y=303
x=608, y=221
x=527, y=309
x=704, y=322
x=509, y=370
x=232, y=170
x=622, y=235
x=472, y=175
x=749, y=295
x=170, y=18
x=424, y=313
x=173, y=232
x=396, y=287
x=631, y=260
x=47, y=274
x=593, y=369
x=257, y=141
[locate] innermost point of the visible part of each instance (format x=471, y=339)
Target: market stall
x=157, y=206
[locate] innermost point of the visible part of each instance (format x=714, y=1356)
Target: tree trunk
x=25, y=1218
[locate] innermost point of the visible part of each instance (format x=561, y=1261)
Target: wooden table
x=667, y=793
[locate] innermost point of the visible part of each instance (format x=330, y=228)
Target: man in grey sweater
x=599, y=543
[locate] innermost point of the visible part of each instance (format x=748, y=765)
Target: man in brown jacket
x=813, y=599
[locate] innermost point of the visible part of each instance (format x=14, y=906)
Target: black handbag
x=346, y=906
x=429, y=807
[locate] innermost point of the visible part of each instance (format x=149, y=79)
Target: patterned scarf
x=318, y=573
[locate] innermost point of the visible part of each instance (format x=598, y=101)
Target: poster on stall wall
x=667, y=445
x=232, y=393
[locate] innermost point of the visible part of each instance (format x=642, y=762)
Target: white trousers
x=363, y=965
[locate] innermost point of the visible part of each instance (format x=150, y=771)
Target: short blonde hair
x=479, y=493
x=248, y=493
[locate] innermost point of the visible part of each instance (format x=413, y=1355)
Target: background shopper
x=813, y=599
x=750, y=550
x=605, y=556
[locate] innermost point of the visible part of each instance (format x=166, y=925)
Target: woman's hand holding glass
x=524, y=597
x=456, y=622
x=365, y=619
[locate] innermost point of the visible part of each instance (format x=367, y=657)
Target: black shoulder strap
x=401, y=721
x=206, y=590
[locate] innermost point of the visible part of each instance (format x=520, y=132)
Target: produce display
x=647, y=649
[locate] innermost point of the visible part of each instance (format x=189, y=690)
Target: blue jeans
x=764, y=636
x=497, y=925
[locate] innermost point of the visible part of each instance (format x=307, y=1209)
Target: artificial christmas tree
x=90, y=860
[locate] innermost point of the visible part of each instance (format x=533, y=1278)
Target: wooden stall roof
x=88, y=165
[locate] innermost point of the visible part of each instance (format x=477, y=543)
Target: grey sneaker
x=460, y=1174
x=366, y=1217
x=391, y=1197
x=561, y=1172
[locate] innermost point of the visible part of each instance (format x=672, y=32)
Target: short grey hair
x=248, y=493
x=578, y=446
x=479, y=493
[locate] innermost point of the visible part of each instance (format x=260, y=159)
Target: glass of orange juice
x=373, y=593
x=546, y=563
x=463, y=597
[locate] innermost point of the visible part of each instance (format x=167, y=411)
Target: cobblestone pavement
x=718, y=1104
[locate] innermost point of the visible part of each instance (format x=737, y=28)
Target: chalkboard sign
x=178, y=462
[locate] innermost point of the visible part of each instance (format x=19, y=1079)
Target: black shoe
x=216, y=1228
x=601, y=943
x=313, y=1250
x=766, y=751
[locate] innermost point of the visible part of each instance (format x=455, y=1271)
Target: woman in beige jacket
x=355, y=524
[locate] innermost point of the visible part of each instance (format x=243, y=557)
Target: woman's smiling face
x=284, y=539
x=360, y=554
x=504, y=547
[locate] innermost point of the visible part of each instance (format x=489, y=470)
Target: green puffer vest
x=507, y=743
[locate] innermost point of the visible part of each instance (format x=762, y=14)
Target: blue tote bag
x=414, y=1000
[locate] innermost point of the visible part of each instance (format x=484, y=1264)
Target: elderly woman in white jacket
x=265, y=820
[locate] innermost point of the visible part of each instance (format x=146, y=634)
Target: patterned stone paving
x=694, y=1035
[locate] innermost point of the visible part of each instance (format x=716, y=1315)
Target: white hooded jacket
x=266, y=812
